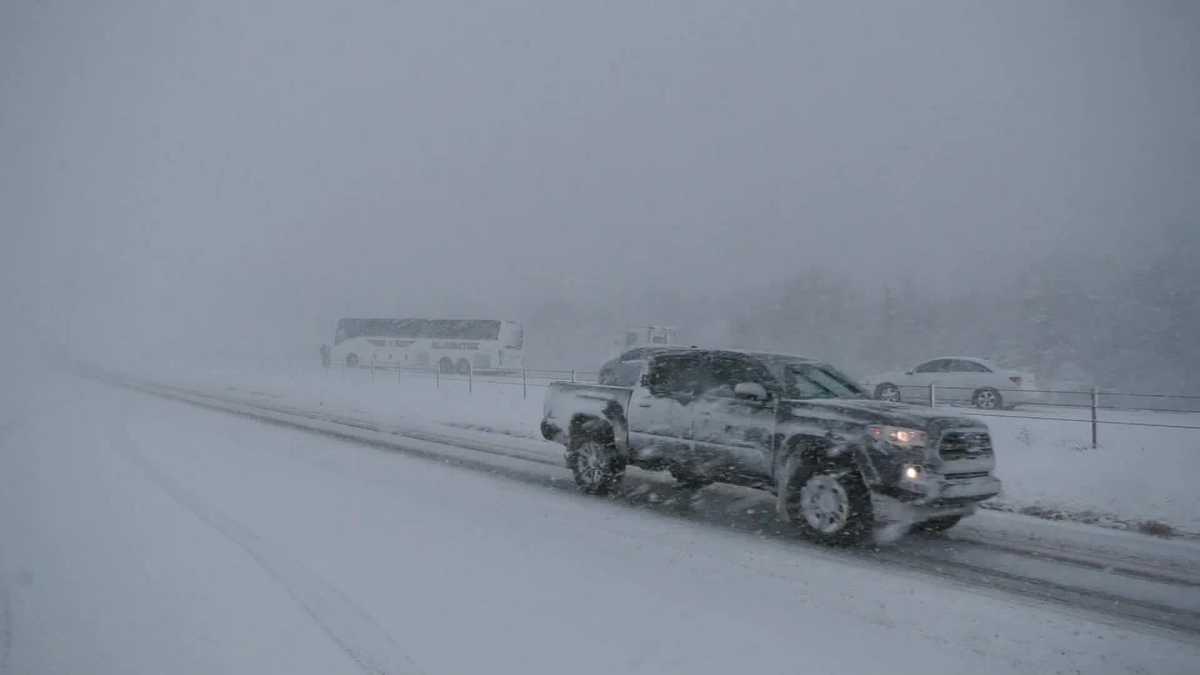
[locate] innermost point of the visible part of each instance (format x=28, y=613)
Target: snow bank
x=1136, y=475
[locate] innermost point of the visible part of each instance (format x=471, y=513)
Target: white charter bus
x=452, y=345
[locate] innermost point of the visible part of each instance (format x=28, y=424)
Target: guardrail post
x=572, y=376
x=524, y=384
x=399, y=374
x=437, y=377
x=372, y=368
x=932, y=394
x=1095, y=404
x=470, y=378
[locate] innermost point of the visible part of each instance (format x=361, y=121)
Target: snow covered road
x=1055, y=561
x=139, y=535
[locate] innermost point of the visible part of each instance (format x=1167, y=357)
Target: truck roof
x=778, y=356
x=643, y=352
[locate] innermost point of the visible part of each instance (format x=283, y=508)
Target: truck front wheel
x=597, y=466
x=832, y=506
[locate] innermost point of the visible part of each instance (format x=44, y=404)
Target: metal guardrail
x=1088, y=400
x=1092, y=401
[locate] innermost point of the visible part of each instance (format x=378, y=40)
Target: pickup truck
x=837, y=461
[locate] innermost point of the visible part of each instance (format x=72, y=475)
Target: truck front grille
x=967, y=475
x=965, y=444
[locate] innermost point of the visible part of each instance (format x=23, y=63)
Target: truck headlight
x=900, y=437
x=912, y=472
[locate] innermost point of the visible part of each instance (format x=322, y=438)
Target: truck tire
x=937, y=525
x=352, y=360
x=888, y=392
x=446, y=365
x=832, y=505
x=462, y=367
x=689, y=479
x=596, y=464
x=987, y=399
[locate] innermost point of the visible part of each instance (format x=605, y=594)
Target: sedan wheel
x=986, y=399
x=888, y=392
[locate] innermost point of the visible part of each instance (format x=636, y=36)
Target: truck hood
x=866, y=411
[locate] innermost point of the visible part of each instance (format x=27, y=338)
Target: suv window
x=676, y=374
x=934, y=366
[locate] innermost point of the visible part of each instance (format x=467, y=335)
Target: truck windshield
x=819, y=381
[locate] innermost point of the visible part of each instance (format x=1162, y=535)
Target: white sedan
x=958, y=379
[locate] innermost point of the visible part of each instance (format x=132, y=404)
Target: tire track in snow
x=352, y=629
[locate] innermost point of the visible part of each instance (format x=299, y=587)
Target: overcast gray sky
x=201, y=168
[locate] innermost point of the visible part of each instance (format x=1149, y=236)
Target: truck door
x=733, y=435
x=660, y=414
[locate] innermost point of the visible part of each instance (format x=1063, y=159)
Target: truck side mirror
x=750, y=390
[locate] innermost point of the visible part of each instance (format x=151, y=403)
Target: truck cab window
x=723, y=373
x=676, y=375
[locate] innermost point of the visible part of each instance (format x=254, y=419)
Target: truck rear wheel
x=597, y=466
x=833, y=506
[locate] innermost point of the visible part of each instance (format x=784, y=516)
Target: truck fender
x=611, y=427
x=615, y=415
